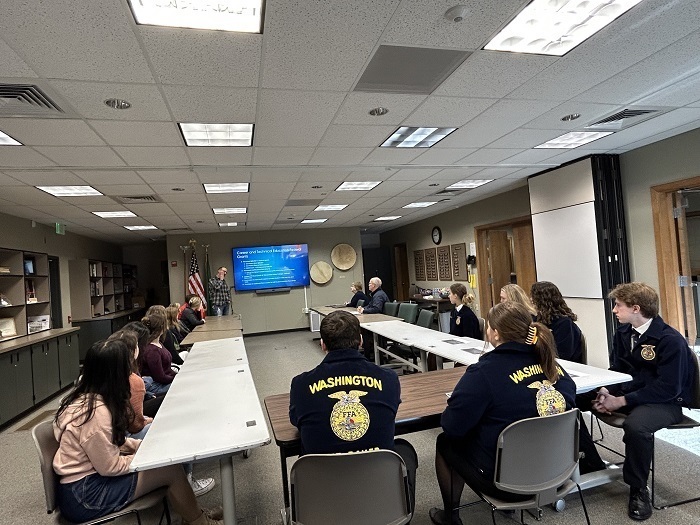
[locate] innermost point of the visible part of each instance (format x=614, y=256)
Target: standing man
x=219, y=293
x=347, y=403
x=660, y=362
x=379, y=297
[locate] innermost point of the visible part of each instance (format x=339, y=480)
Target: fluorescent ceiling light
x=225, y=211
x=69, y=191
x=420, y=204
x=313, y=221
x=388, y=218
x=138, y=228
x=229, y=187
x=243, y=16
x=406, y=137
x=331, y=207
x=225, y=224
x=574, y=139
x=468, y=184
x=555, y=27
x=114, y=214
x=358, y=186
x=6, y=140
x=230, y=135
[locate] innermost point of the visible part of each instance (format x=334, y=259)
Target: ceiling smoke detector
x=457, y=13
x=117, y=103
x=378, y=112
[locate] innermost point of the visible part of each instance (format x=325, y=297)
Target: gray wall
x=147, y=257
x=277, y=311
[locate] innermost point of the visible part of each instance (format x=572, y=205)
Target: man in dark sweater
x=379, y=297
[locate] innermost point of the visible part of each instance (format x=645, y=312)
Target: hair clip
x=531, y=335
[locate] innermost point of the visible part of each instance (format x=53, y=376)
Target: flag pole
x=184, y=265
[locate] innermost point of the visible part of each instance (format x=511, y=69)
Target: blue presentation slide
x=264, y=267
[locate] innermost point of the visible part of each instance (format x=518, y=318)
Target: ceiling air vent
x=626, y=118
x=137, y=199
x=26, y=100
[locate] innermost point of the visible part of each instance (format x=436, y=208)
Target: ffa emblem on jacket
x=349, y=418
x=548, y=400
x=647, y=352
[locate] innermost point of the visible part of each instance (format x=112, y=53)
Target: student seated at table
x=513, y=292
x=172, y=313
x=192, y=315
x=357, y=295
x=155, y=363
x=346, y=381
x=378, y=298
x=94, y=454
x=167, y=339
x=555, y=314
x=186, y=304
x=463, y=321
x=151, y=402
x=490, y=396
x=138, y=422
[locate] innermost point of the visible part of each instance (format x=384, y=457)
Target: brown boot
x=203, y=519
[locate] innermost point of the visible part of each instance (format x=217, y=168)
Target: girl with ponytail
x=518, y=379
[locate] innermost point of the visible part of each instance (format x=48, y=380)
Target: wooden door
x=401, y=270
x=524, y=255
x=499, y=261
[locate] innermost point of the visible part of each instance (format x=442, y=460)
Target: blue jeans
x=221, y=309
x=95, y=496
x=154, y=388
x=140, y=434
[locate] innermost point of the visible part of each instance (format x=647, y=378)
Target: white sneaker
x=201, y=486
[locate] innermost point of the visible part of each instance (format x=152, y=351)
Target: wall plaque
x=459, y=261
x=443, y=262
x=431, y=269
x=419, y=264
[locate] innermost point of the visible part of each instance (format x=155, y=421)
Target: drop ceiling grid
x=217, y=156
x=356, y=106
x=355, y=136
x=339, y=156
x=69, y=156
x=202, y=103
x=46, y=178
x=11, y=65
x=132, y=133
x=682, y=93
x=525, y=138
x=124, y=190
x=264, y=156
x=391, y=156
x=96, y=177
x=488, y=156
x=50, y=132
x=93, y=37
x=448, y=112
x=590, y=112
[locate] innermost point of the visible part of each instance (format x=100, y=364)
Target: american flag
x=194, y=283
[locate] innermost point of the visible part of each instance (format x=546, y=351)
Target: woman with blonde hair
x=513, y=292
x=518, y=379
x=192, y=316
x=357, y=295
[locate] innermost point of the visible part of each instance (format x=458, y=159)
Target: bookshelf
x=99, y=288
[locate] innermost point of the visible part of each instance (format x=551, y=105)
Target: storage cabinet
x=45, y=369
x=16, y=387
x=68, y=359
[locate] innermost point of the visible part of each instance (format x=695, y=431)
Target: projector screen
x=265, y=267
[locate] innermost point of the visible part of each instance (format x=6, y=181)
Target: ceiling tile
x=414, y=173
x=267, y=206
x=279, y=190
x=17, y=180
x=22, y=157
x=590, y=112
x=49, y=178
x=125, y=189
x=392, y=156
x=212, y=104
x=50, y=132
x=66, y=211
x=488, y=156
x=108, y=177
x=158, y=176
x=153, y=156
x=29, y=196
x=356, y=106
x=339, y=156
x=220, y=156
x=150, y=210
x=441, y=156
x=11, y=64
x=356, y=136
x=81, y=155
x=281, y=156
x=129, y=133
x=447, y=112
x=525, y=138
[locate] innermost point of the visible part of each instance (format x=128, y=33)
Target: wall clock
x=437, y=235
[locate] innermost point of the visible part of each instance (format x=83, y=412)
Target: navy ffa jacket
x=359, y=296
x=345, y=404
x=661, y=366
x=568, y=338
x=376, y=304
x=506, y=385
x=464, y=323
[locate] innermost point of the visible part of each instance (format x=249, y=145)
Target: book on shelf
x=5, y=269
x=7, y=327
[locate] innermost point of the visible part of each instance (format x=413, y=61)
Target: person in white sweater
x=94, y=454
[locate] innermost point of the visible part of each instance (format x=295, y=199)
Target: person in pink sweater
x=94, y=454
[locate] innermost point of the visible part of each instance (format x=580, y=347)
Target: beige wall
x=669, y=160
x=276, y=311
x=457, y=226
x=19, y=234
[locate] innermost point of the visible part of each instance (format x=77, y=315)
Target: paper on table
x=475, y=351
x=453, y=341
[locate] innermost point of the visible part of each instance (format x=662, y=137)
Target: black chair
x=360, y=302
x=424, y=319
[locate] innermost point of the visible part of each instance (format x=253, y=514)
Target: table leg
x=377, y=358
x=285, y=481
x=227, y=490
x=424, y=360
x=438, y=361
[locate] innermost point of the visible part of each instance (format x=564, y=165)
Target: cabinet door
x=23, y=377
x=45, y=369
x=53, y=375
x=68, y=359
x=8, y=396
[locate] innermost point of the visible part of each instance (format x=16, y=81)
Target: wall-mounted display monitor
x=266, y=267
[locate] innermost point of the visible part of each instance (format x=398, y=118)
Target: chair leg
x=583, y=504
x=166, y=511
x=138, y=517
x=493, y=515
x=600, y=428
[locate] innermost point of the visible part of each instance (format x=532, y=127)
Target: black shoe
x=640, y=504
x=438, y=517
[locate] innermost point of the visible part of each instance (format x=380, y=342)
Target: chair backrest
x=696, y=387
x=408, y=312
x=346, y=489
x=360, y=302
x=482, y=327
x=537, y=455
x=391, y=308
x=47, y=446
x=584, y=350
x=425, y=318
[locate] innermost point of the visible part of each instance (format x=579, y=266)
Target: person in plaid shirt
x=219, y=292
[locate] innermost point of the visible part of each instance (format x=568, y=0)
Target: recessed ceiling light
x=177, y=189
x=226, y=224
x=6, y=140
x=358, y=186
x=420, y=204
x=243, y=16
x=548, y=27
x=409, y=137
x=114, y=214
x=225, y=211
x=117, y=103
x=569, y=118
x=388, y=218
x=378, y=112
x=69, y=191
x=228, y=187
x=468, y=184
x=139, y=228
x=313, y=221
x=573, y=139
x=226, y=135
x=331, y=207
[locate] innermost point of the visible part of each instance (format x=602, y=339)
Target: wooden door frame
x=481, y=234
x=671, y=251
x=401, y=294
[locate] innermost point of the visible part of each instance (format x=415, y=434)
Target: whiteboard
x=566, y=250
